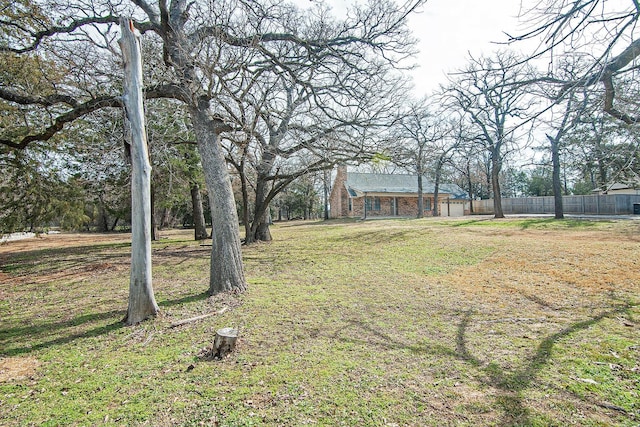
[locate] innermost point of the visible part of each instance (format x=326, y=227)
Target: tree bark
x=103, y=220
x=154, y=219
x=436, y=189
x=420, y=195
x=200, y=229
x=470, y=187
x=325, y=181
x=557, y=183
x=261, y=218
x=167, y=220
x=246, y=220
x=436, y=195
x=227, y=273
x=496, y=166
x=142, y=303
x=263, y=232
x=259, y=230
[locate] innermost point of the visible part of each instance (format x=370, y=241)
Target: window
x=372, y=203
x=350, y=205
x=427, y=204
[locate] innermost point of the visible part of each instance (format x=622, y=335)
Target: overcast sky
x=449, y=29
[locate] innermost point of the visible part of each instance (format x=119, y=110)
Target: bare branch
x=39, y=36
x=58, y=124
x=79, y=109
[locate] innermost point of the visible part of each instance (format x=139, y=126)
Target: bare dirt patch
x=18, y=368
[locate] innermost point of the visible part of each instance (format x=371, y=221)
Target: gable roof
x=359, y=183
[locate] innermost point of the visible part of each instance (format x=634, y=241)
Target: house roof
x=617, y=186
x=359, y=183
x=622, y=186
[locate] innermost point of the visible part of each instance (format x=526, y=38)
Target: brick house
x=366, y=195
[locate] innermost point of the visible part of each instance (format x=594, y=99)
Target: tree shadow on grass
x=471, y=222
x=41, y=331
x=372, y=237
x=512, y=384
x=52, y=260
x=185, y=300
x=509, y=384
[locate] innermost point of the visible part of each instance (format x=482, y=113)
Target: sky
x=451, y=29
x=448, y=30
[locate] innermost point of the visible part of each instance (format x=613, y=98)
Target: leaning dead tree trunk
x=142, y=303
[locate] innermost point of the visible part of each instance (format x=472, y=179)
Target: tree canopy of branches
x=201, y=48
x=424, y=144
x=496, y=106
x=603, y=31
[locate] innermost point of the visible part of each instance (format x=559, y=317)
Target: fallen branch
x=195, y=319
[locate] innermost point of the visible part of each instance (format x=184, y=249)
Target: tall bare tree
x=490, y=94
x=424, y=147
x=304, y=115
x=565, y=112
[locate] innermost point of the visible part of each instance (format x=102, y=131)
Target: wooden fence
x=609, y=204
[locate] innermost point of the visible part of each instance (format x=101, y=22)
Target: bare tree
x=202, y=44
x=569, y=106
x=603, y=30
x=305, y=115
x=490, y=94
x=425, y=146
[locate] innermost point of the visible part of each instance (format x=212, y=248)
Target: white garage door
x=451, y=209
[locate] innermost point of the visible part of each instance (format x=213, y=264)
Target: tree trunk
x=259, y=230
x=470, y=188
x=261, y=217
x=154, y=219
x=436, y=189
x=142, y=303
x=167, y=220
x=496, y=166
x=200, y=230
x=103, y=220
x=420, y=196
x=246, y=220
x=326, y=175
x=227, y=273
x=557, y=182
x=263, y=232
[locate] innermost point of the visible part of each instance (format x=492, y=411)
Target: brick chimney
x=339, y=196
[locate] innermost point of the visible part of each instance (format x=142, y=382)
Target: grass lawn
x=433, y=322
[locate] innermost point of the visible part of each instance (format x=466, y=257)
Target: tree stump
x=224, y=342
